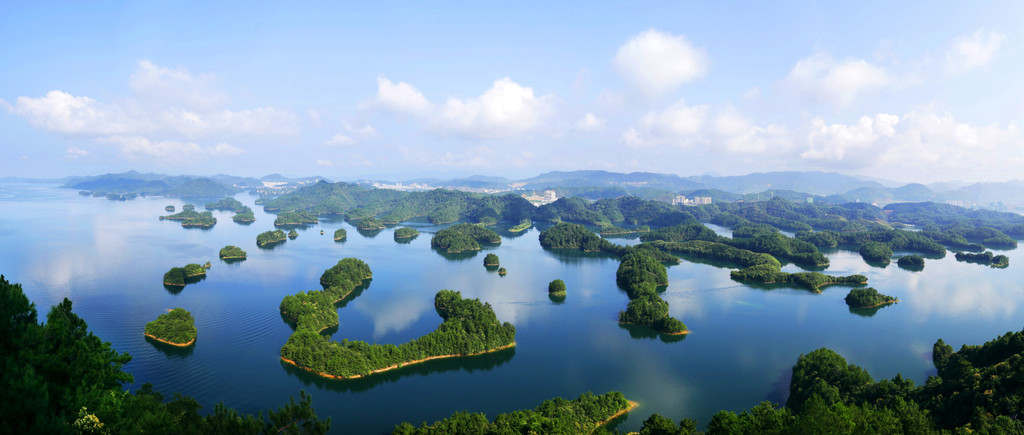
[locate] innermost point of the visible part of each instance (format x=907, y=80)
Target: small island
x=868, y=298
x=612, y=230
x=244, y=216
x=524, y=224
x=491, y=260
x=911, y=262
x=188, y=207
x=405, y=233
x=502, y=271
x=192, y=218
x=340, y=234
x=987, y=257
x=295, y=218
x=556, y=288
x=369, y=224
x=876, y=252
x=176, y=328
x=231, y=252
x=269, y=237
x=179, y=276
x=227, y=204
x=293, y=234
x=169, y=208
x=463, y=237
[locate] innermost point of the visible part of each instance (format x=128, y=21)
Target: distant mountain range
x=593, y=184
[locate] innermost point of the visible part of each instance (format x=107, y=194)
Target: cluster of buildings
x=545, y=198
x=697, y=200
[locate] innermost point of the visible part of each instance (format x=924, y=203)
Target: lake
x=108, y=257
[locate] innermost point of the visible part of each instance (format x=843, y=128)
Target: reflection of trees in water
x=171, y=351
x=485, y=362
x=231, y=261
x=271, y=245
x=645, y=332
x=575, y=256
x=456, y=256
x=868, y=312
x=369, y=234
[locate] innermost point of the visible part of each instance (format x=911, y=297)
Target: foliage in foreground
x=60, y=378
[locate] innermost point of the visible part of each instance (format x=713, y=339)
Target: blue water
x=109, y=258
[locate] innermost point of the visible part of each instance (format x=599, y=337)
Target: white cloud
x=339, y=139
x=168, y=108
x=401, y=98
x=322, y=162
x=741, y=136
x=679, y=124
x=920, y=144
x=655, y=63
x=76, y=152
x=507, y=109
x=170, y=151
x=973, y=51
x=589, y=123
x=824, y=79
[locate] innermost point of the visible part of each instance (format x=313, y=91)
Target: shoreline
x=396, y=366
x=632, y=405
x=171, y=342
x=683, y=332
x=879, y=305
x=231, y=258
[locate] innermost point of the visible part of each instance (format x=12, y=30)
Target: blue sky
x=912, y=91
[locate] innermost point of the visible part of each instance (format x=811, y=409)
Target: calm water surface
x=109, y=258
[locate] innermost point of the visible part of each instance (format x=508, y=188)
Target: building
x=697, y=200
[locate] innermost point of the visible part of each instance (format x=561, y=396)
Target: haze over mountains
x=593, y=184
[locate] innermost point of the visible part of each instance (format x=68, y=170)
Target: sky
x=915, y=91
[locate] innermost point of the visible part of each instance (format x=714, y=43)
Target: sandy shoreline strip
x=393, y=367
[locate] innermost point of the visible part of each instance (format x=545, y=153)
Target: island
x=987, y=257
x=231, y=252
x=876, y=252
x=295, y=218
x=523, y=225
x=370, y=224
x=176, y=328
x=227, y=204
x=584, y=414
x=293, y=234
x=192, y=218
x=405, y=233
x=868, y=298
x=188, y=207
x=463, y=237
x=491, y=260
x=612, y=230
x=244, y=216
x=169, y=208
x=314, y=310
x=502, y=271
x=340, y=234
x=469, y=327
x=640, y=275
x=556, y=288
x=179, y=276
x=911, y=262
x=269, y=237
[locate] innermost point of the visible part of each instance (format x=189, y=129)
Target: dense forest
x=405, y=233
x=192, y=218
x=911, y=262
x=370, y=223
x=463, y=237
x=555, y=416
x=60, y=378
x=244, y=216
x=340, y=234
x=176, y=327
x=469, y=327
x=314, y=310
x=987, y=257
x=228, y=204
x=556, y=287
x=232, y=252
x=268, y=237
x=298, y=217
x=867, y=298
x=491, y=260
x=179, y=276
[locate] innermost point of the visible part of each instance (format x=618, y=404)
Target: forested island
x=192, y=218
x=62, y=358
x=556, y=288
x=293, y=234
x=868, y=298
x=188, y=207
x=295, y=218
x=911, y=262
x=491, y=260
x=314, y=310
x=523, y=225
x=987, y=257
x=405, y=233
x=369, y=224
x=581, y=415
x=469, y=327
x=230, y=252
x=340, y=234
x=463, y=237
x=227, y=204
x=179, y=276
x=169, y=208
x=244, y=216
x=502, y=271
x=176, y=328
x=270, y=237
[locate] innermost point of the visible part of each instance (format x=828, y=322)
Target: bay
x=108, y=257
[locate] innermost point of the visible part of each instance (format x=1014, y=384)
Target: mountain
x=815, y=183
x=605, y=178
x=133, y=182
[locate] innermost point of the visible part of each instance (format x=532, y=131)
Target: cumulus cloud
x=973, y=51
x=401, y=98
x=917, y=143
x=169, y=150
x=339, y=139
x=361, y=131
x=655, y=63
x=589, y=123
x=506, y=109
x=827, y=80
x=679, y=124
x=76, y=152
x=740, y=135
x=167, y=108
x=322, y=162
